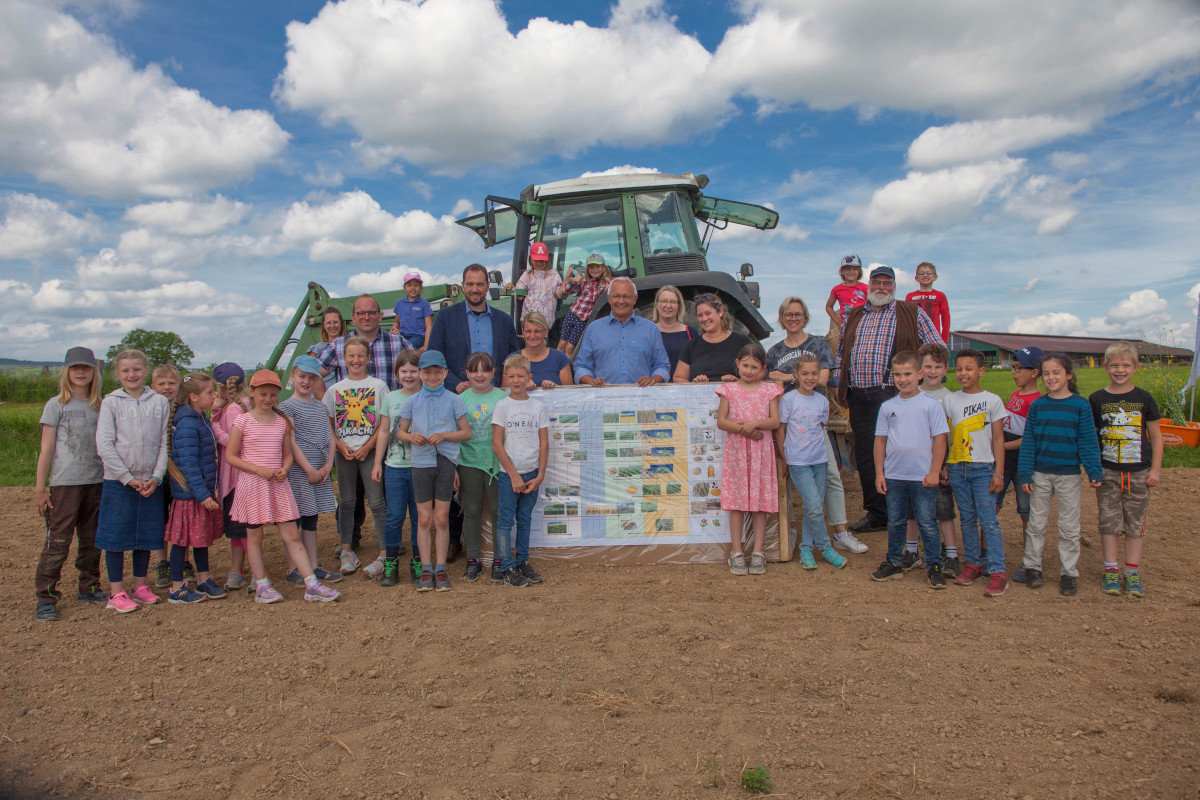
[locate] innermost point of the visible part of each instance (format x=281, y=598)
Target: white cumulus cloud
x=353, y=226
x=392, y=279
x=930, y=200
x=982, y=140
x=75, y=111
x=34, y=227
x=189, y=217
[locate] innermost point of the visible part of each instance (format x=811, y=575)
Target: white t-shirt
x=939, y=394
x=356, y=407
x=521, y=421
x=910, y=426
x=971, y=417
x=804, y=419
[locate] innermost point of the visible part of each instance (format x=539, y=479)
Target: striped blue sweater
x=1059, y=436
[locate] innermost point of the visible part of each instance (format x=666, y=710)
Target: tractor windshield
x=573, y=231
x=667, y=226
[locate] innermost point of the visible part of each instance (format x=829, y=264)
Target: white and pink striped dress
x=258, y=500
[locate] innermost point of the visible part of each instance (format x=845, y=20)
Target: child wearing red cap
x=540, y=284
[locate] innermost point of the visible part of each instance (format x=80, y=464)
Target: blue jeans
x=977, y=513
x=901, y=496
x=519, y=506
x=810, y=483
x=397, y=486
x=1019, y=493
x=417, y=340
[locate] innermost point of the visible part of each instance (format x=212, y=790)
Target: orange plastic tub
x=1186, y=434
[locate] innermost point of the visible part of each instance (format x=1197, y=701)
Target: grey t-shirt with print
x=76, y=462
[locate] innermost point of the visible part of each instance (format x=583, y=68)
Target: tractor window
x=667, y=226
x=573, y=231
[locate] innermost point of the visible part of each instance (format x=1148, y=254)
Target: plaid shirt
x=588, y=296
x=383, y=356
x=873, y=341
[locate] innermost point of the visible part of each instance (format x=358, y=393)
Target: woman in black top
x=667, y=315
x=711, y=356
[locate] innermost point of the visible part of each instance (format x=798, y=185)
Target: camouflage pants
x=1123, y=499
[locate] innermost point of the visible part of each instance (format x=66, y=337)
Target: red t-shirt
x=1014, y=425
x=849, y=297
x=936, y=306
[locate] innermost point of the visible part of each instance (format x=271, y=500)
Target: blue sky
x=192, y=166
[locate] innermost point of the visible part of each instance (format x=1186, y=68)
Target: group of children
x=181, y=463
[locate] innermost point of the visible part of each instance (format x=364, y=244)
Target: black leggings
x=179, y=555
x=115, y=564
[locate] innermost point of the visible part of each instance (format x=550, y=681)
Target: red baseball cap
x=539, y=252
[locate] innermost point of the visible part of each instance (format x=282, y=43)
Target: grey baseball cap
x=79, y=357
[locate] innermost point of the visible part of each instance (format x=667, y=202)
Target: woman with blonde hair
x=547, y=368
x=667, y=314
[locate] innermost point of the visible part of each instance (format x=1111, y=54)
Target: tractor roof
x=613, y=183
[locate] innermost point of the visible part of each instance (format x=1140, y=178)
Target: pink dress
x=748, y=468
x=258, y=500
x=222, y=422
x=539, y=286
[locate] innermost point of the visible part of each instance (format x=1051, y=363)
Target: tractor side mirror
x=495, y=277
x=746, y=271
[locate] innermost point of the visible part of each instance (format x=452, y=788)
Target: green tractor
x=645, y=226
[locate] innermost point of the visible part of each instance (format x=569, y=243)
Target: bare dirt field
x=618, y=682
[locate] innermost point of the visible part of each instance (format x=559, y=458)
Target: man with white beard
x=871, y=335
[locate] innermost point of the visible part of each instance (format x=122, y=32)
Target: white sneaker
x=846, y=541
x=374, y=569
x=350, y=562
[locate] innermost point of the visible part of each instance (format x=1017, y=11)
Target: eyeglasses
x=1018, y=368
x=794, y=315
x=367, y=313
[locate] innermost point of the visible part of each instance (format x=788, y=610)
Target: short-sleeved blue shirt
x=411, y=315
x=434, y=412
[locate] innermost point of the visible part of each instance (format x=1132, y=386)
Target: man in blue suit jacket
x=470, y=327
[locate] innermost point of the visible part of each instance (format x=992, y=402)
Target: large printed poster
x=631, y=466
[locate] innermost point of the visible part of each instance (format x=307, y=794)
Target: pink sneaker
x=320, y=593
x=121, y=603
x=143, y=595
x=267, y=594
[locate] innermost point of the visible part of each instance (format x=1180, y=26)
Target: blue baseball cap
x=431, y=358
x=1029, y=357
x=883, y=270
x=228, y=370
x=307, y=364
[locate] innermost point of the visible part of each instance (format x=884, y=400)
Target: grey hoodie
x=131, y=436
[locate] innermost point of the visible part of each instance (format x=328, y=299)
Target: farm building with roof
x=999, y=347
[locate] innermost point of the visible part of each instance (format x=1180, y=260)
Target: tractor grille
x=685, y=262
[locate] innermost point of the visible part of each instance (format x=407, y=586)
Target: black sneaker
x=1067, y=584
x=162, y=574
x=936, y=579
x=529, y=572
x=474, y=569
x=414, y=570
x=1034, y=578
x=910, y=560
x=95, y=597
x=497, y=571
x=867, y=525
x=189, y=572
x=887, y=570
x=515, y=579
x=391, y=572
x=45, y=612
x=951, y=567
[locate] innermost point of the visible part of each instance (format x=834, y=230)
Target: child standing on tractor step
x=69, y=463
x=1060, y=435
x=1026, y=369
x=540, y=284
x=748, y=482
x=195, y=520
x=910, y=444
x=1131, y=449
x=931, y=300
x=976, y=439
x=414, y=315
x=521, y=442
x=131, y=437
x=849, y=293
x=589, y=287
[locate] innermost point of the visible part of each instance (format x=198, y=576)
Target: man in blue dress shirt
x=623, y=347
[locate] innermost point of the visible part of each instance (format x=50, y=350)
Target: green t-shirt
x=399, y=454
x=477, y=451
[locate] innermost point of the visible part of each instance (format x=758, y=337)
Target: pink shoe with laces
x=320, y=593
x=142, y=594
x=121, y=603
